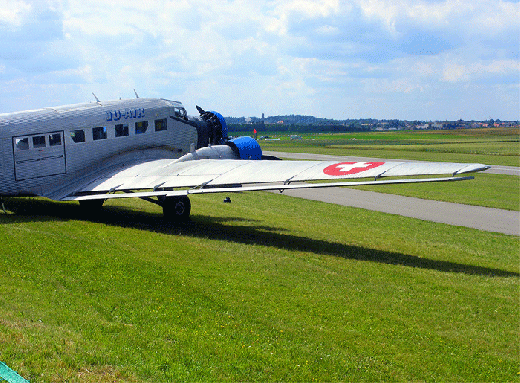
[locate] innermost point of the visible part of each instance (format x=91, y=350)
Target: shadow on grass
x=30, y=210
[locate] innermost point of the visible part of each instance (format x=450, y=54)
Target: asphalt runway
x=477, y=217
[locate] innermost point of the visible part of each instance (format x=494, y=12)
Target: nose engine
x=213, y=141
x=241, y=148
x=217, y=132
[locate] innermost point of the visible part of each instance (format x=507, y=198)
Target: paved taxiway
x=482, y=218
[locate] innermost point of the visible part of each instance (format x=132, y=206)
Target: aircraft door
x=39, y=155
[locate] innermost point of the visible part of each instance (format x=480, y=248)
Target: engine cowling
x=246, y=148
x=241, y=148
x=213, y=142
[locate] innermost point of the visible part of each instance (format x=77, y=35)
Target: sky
x=386, y=59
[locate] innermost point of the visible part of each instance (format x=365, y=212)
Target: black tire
x=177, y=208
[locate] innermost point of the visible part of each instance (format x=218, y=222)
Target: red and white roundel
x=345, y=168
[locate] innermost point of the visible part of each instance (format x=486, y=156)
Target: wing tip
x=473, y=168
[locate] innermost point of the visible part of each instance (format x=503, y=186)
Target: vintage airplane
x=151, y=149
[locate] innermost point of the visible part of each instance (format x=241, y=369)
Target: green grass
x=488, y=190
x=270, y=288
x=488, y=146
x=266, y=288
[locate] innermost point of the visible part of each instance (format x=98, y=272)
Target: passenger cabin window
x=99, y=133
x=141, y=126
x=22, y=143
x=78, y=135
x=121, y=130
x=38, y=142
x=54, y=139
x=160, y=125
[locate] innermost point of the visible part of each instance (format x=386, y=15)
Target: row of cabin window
x=38, y=141
x=121, y=130
x=98, y=133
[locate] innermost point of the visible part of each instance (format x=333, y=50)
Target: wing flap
x=280, y=187
x=430, y=168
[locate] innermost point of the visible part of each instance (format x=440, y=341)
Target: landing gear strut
x=176, y=208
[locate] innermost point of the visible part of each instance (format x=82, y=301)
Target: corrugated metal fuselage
x=48, y=150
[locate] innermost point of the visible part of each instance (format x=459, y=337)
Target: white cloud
x=275, y=56
x=285, y=11
x=456, y=72
x=13, y=12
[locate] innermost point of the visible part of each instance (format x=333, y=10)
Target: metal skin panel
x=162, y=174
x=54, y=174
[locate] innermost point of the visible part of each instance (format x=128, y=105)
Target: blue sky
x=406, y=59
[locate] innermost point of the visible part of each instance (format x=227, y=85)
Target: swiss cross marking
x=345, y=168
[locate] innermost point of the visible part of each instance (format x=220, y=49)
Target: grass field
x=268, y=288
x=499, y=146
x=247, y=293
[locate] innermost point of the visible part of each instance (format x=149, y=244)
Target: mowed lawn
x=267, y=288
x=496, y=146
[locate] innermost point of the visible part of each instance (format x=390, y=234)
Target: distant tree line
x=297, y=128
x=310, y=124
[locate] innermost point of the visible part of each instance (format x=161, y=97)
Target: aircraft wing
x=164, y=177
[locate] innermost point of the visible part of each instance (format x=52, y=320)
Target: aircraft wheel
x=177, y=208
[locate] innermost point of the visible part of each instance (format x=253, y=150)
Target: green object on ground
x=10, y=375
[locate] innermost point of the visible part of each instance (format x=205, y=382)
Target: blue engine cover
x=222, y=123
x=247, y=147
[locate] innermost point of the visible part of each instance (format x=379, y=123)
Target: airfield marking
x=477, y=217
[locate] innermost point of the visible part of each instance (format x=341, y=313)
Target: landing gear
x=176, y=208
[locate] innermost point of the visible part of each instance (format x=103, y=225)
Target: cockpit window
x=180, y=112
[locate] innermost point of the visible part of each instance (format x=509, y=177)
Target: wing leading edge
x=161, y=177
